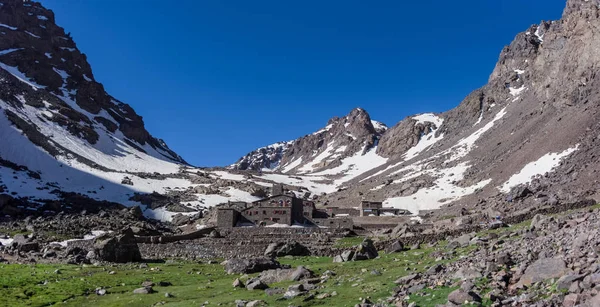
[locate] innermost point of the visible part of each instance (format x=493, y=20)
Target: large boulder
x=121, y=247
x=249, y=266
x=395, y=247
x=460, y=297
x=543, y=269
x=280, y=275
x=256, y=284
x=366, y=250
x=286, y=249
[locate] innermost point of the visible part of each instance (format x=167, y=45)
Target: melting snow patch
x=465, y=145
x=519, y=72
x=48, y=55
x=292, y=165
x=31, y=34
x=7, y=26
x=229, y=176
x=87, y=78
x=479, y=119
x=537, y=33
x=92, y=235
x=327, y=128
x=378, y=125
x=309, y=166
x=6, y=242
x=543, y=165
x=7, y=51
x=63, y=74
x=21, y=76
x=426, y=140
x=162, y=214
x=517, y=91
x=356, y=165
x=429, y=117
x=40, y=17
x=443, y=191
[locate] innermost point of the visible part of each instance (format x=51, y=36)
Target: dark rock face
x=121, y=248
x=49, y=57
x=403, y=136
x=249, y=266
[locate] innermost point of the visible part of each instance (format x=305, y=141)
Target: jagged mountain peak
x=340, y=138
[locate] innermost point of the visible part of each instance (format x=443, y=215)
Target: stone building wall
x=227, y=218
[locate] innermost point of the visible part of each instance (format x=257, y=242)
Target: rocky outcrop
x=286, y=249
x=249, y=266
x=364, y=251
x=120, y=248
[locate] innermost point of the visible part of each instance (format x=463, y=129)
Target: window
x=264, y=212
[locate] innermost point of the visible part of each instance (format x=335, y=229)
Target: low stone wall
x=514, y=219
x=168, y=239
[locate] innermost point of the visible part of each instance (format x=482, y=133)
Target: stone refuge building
x=280, y=209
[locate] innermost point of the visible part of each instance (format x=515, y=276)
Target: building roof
x=271, y=197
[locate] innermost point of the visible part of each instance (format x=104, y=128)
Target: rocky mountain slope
x=533, y=124
x=529, y=137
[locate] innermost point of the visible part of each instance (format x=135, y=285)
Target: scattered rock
x=144, y=290
x=249, y=266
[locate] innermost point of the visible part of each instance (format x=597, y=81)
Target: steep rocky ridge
x=61, y=81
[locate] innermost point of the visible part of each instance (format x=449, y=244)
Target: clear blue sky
x=217, y=79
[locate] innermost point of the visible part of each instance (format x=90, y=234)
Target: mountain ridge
x=477, y=156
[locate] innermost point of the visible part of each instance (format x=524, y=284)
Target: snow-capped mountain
x=326, y=148
x=534, y=124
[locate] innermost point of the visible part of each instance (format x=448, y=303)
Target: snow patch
x=543, y=165
x=355, y=165
x=7, y=26
x=31, y=34
x=444, y=190
x=516, y=91
x=7, y=51
x=290, y=166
